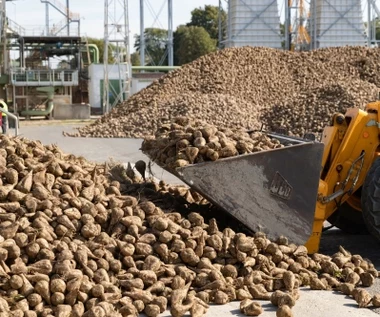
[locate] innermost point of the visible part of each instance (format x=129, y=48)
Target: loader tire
x=348, y=219
x=371, y=199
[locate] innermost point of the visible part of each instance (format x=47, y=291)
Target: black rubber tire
x=371, y=199
x=348, y=219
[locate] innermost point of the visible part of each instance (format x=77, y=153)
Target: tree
x=190, y=43
x=374, y=24
x=155, y=45
x=282, y=32
x=100, y=44
x=135, y=59
x=208, y=18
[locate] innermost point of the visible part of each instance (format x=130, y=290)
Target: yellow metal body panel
x=312, y=244
x=344, y=141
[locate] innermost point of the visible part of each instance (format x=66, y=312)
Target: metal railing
x=54, y=77
x=15, y=27
x=61, y=7
x=10, y=115
x=59, y=29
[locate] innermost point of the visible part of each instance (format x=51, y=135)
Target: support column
x=105, y=61
x=47, y=19
x=142, y=36
x=369, y=37
x=287, y=25
x=170, y=33
x=68, y=16
x=220, y=36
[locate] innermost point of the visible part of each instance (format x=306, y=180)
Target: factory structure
x=35, y=84
x=307, y=24
x=52, y=71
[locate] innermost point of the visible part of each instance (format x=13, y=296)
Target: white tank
x=253, y=23
x=336, y=23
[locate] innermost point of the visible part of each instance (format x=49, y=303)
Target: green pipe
x=153, y=68
x=50, y=106
x=44, y=113
x=94, y=51
x=94, y=48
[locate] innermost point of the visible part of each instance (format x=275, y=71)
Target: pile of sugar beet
x=74, y=241
x=185, y=142
x=246, y=87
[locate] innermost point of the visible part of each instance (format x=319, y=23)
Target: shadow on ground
x=365, y=245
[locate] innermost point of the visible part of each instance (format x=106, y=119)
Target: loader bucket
x=271, y=191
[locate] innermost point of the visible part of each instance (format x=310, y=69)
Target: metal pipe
x=121, y=81
x=105, y=61
x=126, y=90
x=220, y=39
x=369, y=23
x=95, y=52
x=47, y=18
x=142, y=35
x=68, y=16
x=315, y=24
x=229, y=36
x=170, y=33
x=153, y=68
x=287, y=25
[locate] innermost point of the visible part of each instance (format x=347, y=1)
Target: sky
x=31, y=14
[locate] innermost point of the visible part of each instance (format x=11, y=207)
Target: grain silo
x=336, y=23
x=253, y=23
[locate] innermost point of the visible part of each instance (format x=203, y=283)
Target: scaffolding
x=43, y=57
x=144, y=52
x=116, y=48
x=296, y=36
x=69, y=17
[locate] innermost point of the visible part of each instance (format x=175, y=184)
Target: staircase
x=69, y=16
x=85, y=54
x=58, y=27
x=15, y=28
x=62, y=9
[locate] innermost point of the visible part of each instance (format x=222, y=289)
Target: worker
x=4, y=117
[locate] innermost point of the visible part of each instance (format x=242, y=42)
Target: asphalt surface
x=311, y=303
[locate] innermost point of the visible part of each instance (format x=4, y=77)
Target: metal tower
x=296, y=17
x=373, y=16
x=116, y=53
x=68, y=18
x=3, y=35
x=156, y=16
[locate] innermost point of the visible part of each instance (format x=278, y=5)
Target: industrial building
x=307, y=24
x=34, y=84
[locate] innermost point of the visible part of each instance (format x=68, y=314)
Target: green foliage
x=100, y=44
x=135, y=59
x=377, y=28
x=190, y=43
x=155, y=46
x=207, y=18
x=197, y=38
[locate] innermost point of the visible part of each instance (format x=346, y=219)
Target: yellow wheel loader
x=291, y=191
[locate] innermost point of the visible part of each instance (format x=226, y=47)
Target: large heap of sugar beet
x=246, y=87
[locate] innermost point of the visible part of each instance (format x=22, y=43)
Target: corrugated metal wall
x=336, y=23
x=254, y=23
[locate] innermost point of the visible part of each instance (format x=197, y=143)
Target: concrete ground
x=311, y=303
